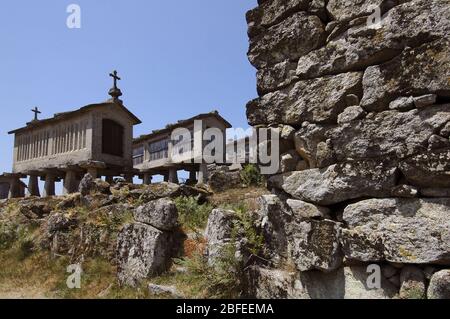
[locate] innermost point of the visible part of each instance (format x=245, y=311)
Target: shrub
x=7, y=235
x=222, y=281
x=192, y=215
x=245, y=227
x=251, y=175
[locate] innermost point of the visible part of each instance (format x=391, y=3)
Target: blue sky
x=176, y=59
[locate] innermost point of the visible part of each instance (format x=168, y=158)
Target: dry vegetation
x=30, y=272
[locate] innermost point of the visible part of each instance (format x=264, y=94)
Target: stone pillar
x=147, y=179
x=49, y=186
x=203, y=174
x=166, y=176
x=128, y=178
x=173, y=175
x=193, y=176
x=14, y=188
x=93, y=167
x=110, y=179
x=93, y=171
x=33, y=186
x=70, y=182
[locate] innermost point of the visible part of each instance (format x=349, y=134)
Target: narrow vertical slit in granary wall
x=365, y=98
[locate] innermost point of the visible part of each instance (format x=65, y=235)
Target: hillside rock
x=142, y=251
x=169, y=190
x=303, y=210
x=90, y=185
x=161, y=214
x=219, y=233
x=440, y=285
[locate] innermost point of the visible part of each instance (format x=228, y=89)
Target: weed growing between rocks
x=244, y=228
x=251, y=175
x=192, y=215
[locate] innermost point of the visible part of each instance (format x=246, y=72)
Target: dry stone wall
x=364, y=109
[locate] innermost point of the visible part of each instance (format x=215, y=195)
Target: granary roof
x=67, y=115
x=170, y=127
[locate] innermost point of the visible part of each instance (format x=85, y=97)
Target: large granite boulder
x=318, y=100
x=343, y=10
x=290, y=39
x=406, y=75
x=89, y=185
x=142, y=251
x=413, y=283
x=303, y=210
x=316, y=245
x=410, y=231
x=270, y=13
x=274, y=219
x=223, y=178
x=393, y=134
x=219, y=233
x=429, y=170
x=36, y=208
x=390, y=134
x=161, y=214
x=338, y=183
x=358, y=44
x=344, y=283
x=439, y=287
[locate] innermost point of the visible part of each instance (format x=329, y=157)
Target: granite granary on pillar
x=95, y=139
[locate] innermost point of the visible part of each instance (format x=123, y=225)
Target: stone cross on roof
x=115, y=91
x=36, y=112
x=115, y=77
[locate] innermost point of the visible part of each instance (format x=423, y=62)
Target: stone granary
x=96, y=138
x=152, y=153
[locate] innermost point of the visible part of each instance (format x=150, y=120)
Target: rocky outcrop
x=161, y=214
x=219, y=233
x=364, y=175
x=142, y=251
x=90, y=185
x=146, y=247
